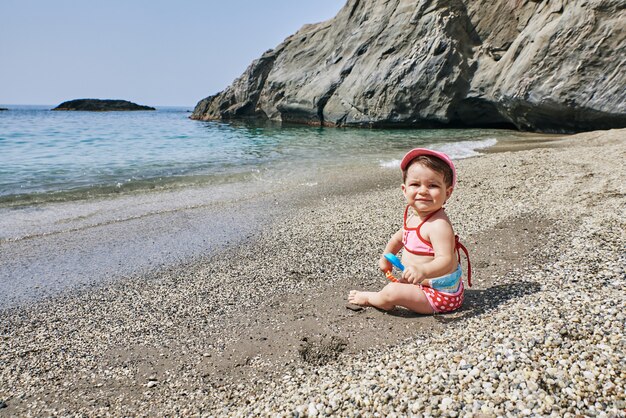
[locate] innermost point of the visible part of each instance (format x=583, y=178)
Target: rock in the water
x=531, y=65
x=99, y=105
x=3, y=108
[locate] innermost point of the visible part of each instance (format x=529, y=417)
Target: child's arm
x=441, y=236
x=393, y=246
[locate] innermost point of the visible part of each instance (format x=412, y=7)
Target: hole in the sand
x=321, y=350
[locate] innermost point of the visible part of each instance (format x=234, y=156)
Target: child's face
x=425, y=189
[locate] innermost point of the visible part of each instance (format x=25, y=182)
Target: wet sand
x=260, y=325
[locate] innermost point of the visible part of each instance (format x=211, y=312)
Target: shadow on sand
x=479, y=301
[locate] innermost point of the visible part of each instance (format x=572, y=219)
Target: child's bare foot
x=359, y=298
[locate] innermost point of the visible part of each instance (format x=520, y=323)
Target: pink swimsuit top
x=416, y=244
x=413, y=240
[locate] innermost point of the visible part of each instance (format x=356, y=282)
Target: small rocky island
x=101, y=105
x=3, y=108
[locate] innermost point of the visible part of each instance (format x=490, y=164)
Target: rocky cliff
x=546, y=65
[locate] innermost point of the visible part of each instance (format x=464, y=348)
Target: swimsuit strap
x=419, y=228
x=429, y=251
x=461, y=247
x=406, y=212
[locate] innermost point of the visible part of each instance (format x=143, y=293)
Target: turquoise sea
x=50, y=155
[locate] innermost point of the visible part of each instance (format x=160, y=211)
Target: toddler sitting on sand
x=431, y=249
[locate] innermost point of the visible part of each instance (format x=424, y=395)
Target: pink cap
x=416, y=152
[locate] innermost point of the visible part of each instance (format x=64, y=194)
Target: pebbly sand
x=262, y=327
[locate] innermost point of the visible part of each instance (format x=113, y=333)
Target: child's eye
x=434, y=186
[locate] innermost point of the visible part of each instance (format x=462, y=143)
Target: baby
x=431, y=249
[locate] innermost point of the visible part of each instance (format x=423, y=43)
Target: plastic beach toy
x=449, y=283
x=396, y=263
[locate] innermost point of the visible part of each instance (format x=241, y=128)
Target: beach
x=259, y=326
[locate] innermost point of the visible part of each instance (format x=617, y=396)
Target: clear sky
x=152, y=52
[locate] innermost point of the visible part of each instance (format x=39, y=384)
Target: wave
x=455, y=150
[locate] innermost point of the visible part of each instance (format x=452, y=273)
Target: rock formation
x=546, y=65
x=99, y=105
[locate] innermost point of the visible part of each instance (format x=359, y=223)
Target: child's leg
x=394, y=294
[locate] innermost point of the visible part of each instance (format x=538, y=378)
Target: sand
x=260, y=327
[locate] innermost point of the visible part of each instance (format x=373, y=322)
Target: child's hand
x=384, y=265
x=413, y=274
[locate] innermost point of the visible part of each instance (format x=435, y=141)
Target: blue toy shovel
x=449, y=283
x=397, y=264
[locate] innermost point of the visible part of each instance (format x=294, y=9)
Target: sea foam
x=455, y=150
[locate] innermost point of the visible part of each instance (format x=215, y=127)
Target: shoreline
x=180, y=153
x=101, y=241
x=270, y=313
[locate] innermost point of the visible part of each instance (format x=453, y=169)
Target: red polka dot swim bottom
x=442, y=302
